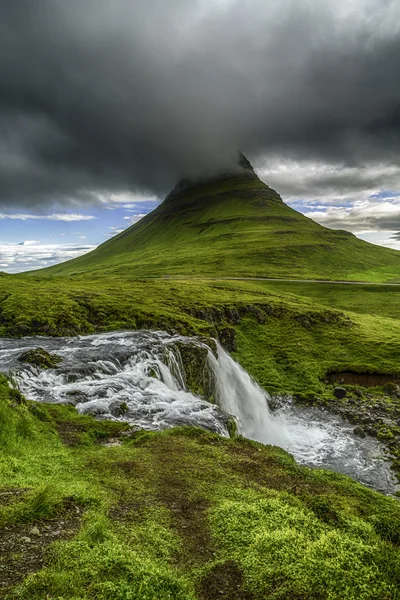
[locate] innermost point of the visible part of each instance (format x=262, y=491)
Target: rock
x=118, y=408
x=358, y=393
x=359, y=432
x=387, y=422
x=391, y=388
x=34, y=531
x=25, y=540
x=232, y=426
x=339, y=393
x=227, y=338
x=199, y=377
x=40, y=358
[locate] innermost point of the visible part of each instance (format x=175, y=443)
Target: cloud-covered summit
x=99, y=97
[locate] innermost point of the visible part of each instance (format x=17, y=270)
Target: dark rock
x=359, y=432
x=339, y=393
x=199, y=377
x=232, y=316
x=391, y=388
x=227, y=338
x=118, y=408
x=358, y=393
x=40, y=358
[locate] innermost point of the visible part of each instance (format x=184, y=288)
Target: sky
x=104, y=106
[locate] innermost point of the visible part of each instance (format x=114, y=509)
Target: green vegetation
x=287, y=342
x=234, y=227
x=181, y=514
x=93, y=510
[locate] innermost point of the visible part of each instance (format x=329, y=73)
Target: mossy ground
x=287, y=340
x=181, y=514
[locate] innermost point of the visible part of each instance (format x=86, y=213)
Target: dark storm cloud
x=99, y=96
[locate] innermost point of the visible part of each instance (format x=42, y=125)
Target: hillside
x=234, y=226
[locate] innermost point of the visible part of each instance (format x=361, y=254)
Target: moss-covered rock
x=40, y=358
x=199, y=377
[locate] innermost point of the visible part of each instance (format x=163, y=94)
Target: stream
x=139, y=377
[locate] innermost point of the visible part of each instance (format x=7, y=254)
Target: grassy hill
x=234, y=227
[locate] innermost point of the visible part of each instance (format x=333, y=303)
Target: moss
x=198, y=373
x=184, y=513
x=40, y=358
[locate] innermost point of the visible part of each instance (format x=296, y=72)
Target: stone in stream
x=40, y=358
x=359, y=432
x=339, y=392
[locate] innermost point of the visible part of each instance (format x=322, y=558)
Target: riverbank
x=179, y=514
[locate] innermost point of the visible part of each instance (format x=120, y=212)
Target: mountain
x=234, y=226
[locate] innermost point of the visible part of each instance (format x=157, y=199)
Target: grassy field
x=234, y=227
x=288, y=341
x=181, y=514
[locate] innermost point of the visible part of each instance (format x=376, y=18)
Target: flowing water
x=139, y=377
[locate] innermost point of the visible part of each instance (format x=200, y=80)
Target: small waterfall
x=239, y=395
x=139, y=377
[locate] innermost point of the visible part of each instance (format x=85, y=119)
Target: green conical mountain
x=234, y=226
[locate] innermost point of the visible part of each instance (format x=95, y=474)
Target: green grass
x=300, y=341
x=235, y=227
x=185, y=514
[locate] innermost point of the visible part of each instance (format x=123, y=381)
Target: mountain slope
x=230, y=227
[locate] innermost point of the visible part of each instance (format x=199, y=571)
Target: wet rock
x=232, y=426
x=339, y=392
x=40, y=358
x=118, y=408
x=76, y=397
x=199, y=377
x=227, y=338
x=359, y=431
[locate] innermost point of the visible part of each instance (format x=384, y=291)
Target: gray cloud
x=98, y=97
x=368, y=215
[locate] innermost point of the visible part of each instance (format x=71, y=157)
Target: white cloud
x=362, y=217
x=53, y=217
x=327, y=184
x=134, y=218
x=32, y=254
x=126, y=198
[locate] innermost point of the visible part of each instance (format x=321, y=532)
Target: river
x=139, y=377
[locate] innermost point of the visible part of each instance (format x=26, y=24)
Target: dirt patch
x=362, y=379
x=11, y=495
x=23, y=545
x=188, y=513
x=70, y=433
x=224, y=581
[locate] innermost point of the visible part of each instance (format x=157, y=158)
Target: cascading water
x=139, y=377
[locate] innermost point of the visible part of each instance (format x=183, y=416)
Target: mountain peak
x=241, y=167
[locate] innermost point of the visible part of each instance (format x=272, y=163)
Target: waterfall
x=139, y=377
x=239, y=395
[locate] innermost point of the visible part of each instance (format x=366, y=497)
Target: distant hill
x=233, y=226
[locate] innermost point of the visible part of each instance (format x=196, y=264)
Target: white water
x=142, y=373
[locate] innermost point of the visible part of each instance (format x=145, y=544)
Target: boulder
x=40, y=358
x=199, y=377
x=358, y=431
x=339, y=392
